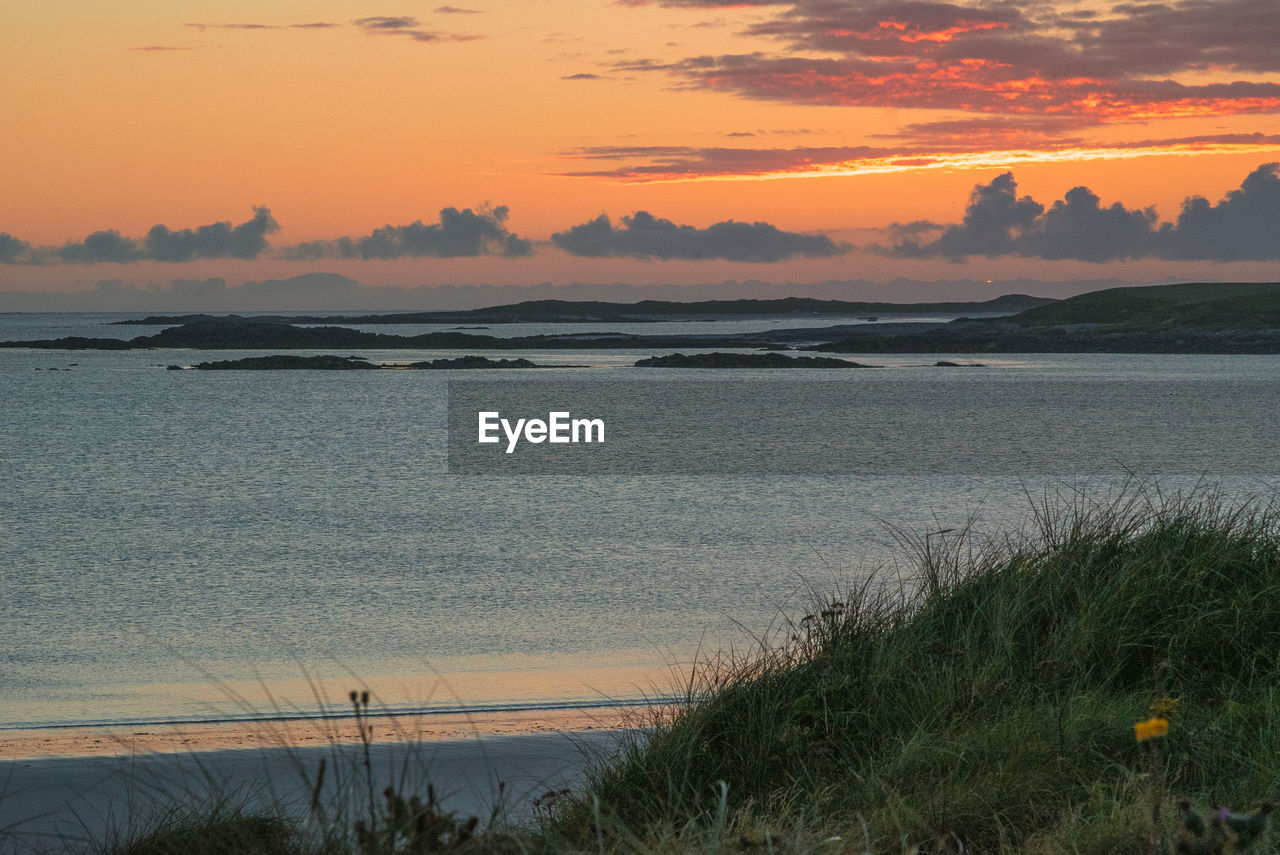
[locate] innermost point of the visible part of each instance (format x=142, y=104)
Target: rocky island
x=289, y=362
x=236, y=333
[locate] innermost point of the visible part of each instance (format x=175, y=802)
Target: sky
x=520, y=142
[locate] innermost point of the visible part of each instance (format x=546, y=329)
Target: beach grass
x=988, y=702
x=198, y=830
x=1108, y=682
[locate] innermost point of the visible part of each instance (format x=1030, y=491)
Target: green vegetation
x=992, y=702
x=221, y=831
x=986, y=704
x=1213, y=305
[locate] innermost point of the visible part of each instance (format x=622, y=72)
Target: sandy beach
x=61, y=790
x=338, y=729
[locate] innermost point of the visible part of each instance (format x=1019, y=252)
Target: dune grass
x=984, y=703
x=988, y=703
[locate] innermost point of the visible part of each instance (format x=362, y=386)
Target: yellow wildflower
x=1152, y=728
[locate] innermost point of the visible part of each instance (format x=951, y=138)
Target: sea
x=185, y=547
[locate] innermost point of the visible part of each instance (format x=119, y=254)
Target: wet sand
x=88, y=742
x=64, y=791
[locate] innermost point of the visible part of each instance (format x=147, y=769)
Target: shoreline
x=130, y=740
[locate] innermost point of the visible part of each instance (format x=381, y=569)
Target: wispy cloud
x=979, y=150
x=405, y=26
x=313, y=25
x=410, y=28
x=386, y=24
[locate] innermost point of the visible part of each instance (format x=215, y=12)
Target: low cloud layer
x=248, y=240
x=219, y=240
x=12, y=249
x=460, y=233
x=1242, y=226
x=643, y=235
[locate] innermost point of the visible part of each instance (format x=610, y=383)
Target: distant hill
x=1205, y=305
x=1192, y=317
x=589, y=311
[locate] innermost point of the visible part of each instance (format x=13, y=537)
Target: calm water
x=171, y=540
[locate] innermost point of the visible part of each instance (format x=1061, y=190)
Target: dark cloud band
x=1242, y=226
x=460, y=233
x=248, y=240
x=643, y=235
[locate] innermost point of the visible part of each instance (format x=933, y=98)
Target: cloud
x=464, y=233
x=1078, y=227
x=1131, y=62
x=1243, y=226
x=965, y=144
x=405, y=26
x=217, y=240
x=995, y=86
x=668, y=162
x=459, y=233
x=454, y=10
x=158, y=48
x=12, y=249
x=106, y=245
x=383, y=23
x=994, y=211
x=310, y=25
x=409, y=27
x=643, y=235
x=986, y=131
x=582, y=76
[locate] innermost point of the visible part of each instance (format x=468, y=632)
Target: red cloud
x=999, y=58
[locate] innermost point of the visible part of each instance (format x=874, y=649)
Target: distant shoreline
x=300, y=731
x=644, y=311
x=1201, y=318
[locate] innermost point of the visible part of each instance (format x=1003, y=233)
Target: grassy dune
x=992, y=704
x=987, y=704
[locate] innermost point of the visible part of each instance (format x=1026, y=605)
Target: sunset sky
x=527, y=141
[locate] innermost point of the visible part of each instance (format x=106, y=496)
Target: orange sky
x=122, y=116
